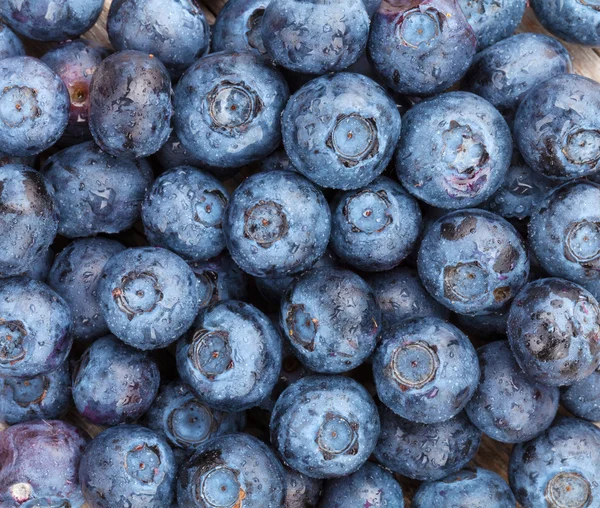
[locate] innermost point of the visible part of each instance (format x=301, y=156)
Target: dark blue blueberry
x=231, y=357
x=235, y=470
x=277, y=161
x=557, y=127
x=301, y=491
x=426, y=452
x=576, y=21
x=508, y=406
x=35, y=328
x=130, y=104
x=39, y=466
x=276, y=224
x=375, y=227
x=175, y=31
x=315, y=36
x=469, y=488
x=34, y=106
x=371, y=6
x=173, y=155
x=114, y=383
x=74, y=276
x=349, y=139
x=485, y=326
x=454, y=151
x=94, y=191
x=10, y=44
x=238, y=27
x=473, y=261
x=28, y=219
x=228, y=109
x=44, y=397
x=554, y=331
x=183, y=212
x=51, y=20
x=331, y=318
x=148, y=297
x=371, y=486
x=40, y=268
x=128, y=465
x=421, y=47
x=325, y=426
x=6, y=159
x=75, y=63
x=583, y=397
x=559, y=468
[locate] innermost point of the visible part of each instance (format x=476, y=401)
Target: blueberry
x=75, y=62
x=557, y=127
x=349, y=139
x=51, y=20
x=583, y=397
x=486, y=326
x=130, y=104
x=128, y=465
x=371, y=486
x=325, y=426
x=301, y=491
x=43, y=397
x=175, y=31
x=74, y=276
x=454, y=151
x=421, y=48
x=426, y=452
x=10, y=44
x=232, y=470
x=315, y=37
x=35, y=328
x=6, y=159
x=276, y=224
x=34, y=106
x=238, y=27
x=148, y=297
x=559, y=468
x=554, y=331
x=473, y=488
x=231, y=357
x=40, y=268
x=94, y=191
x=576, y=21
x=28, y=219
x=228, y=108
x=173, y=155
x=473, y=261
x=39, y=465
x=276, y=161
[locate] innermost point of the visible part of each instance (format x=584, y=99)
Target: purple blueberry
x=10, y=44
x=301, y=491
x=576, y=21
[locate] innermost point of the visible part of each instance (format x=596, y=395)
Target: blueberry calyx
x=353, y=139
x=25, y=105
x=568, y=490
x=138, y=293
x=418, y=26
x=232, y=105
x=414, y=365
x=582, y=243
x=368, y=211
x=582, y=146
x=220, y=488
x=211, y=352
x=29, y=391
x=302, y=328
x=143, y=463
x=191, y=423
x=337, y=436
x=265, y=223
x=12, y=335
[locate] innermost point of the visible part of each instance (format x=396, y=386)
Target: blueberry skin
x=491, y=20
x=331, y=319
x=473, y=262
x=178, y=40
x=276, y=224
x=554, y=331
x=35, y=329
x=94, y=191
x=325, y=426
x=582, y=398
x=28, y=219
x=43, y=397
x=173, y=155
x=75, y=63
x=370, y=486
x=276, y=161
x=301, y=491
x=228, y=109
x=486, y=326
x=576, y=21
x=10, y=44
x=75, y=275
x=238, y=27
x=557, y=127
x=509, y=406
x=6, y=159
x=232, y=470
x=421, y=47
x=128, y=465
x=425, y=452
x=475, y=488
x=130, y=104
x=349, y=139
x=559, y=467
x=315, y=36
x=183, y=212
x=148, y=297
x=374, y=228
x=114, y=383
x=454, y=151
x=51, y=20
x=40, y=268
x=39, y=465
x=34, y=106
x=231, y=357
